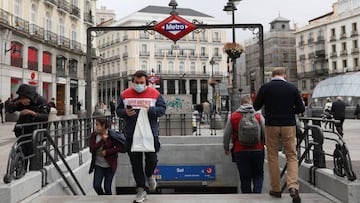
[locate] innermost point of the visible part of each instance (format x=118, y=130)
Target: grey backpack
x=249, y=133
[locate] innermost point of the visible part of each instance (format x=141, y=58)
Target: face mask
x=139, y=88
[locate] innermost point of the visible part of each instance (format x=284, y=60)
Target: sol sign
x=174, y=27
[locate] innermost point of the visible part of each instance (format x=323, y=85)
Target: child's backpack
x=249, y=133
x=120, y=138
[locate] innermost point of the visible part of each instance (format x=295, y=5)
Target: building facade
x=103, y=15
x=43, y=43
x=279, y=51
x=184, y=67
x=328, y=45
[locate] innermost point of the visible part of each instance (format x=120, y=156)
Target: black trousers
x=136, y=160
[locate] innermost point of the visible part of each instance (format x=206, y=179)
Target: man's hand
x=227, y=152
x=24, y=101
x=130, y=112
x=27, y=112
x=147, y=107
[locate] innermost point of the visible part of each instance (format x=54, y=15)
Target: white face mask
x=139, y=88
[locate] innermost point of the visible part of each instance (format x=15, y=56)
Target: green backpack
x=249, y=133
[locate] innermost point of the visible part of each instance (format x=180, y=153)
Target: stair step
x=181, y=198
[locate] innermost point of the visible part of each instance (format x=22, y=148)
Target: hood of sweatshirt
x=246, y=108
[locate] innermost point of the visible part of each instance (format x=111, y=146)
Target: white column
x=177, y=87
x=165, y=87
x=198, y=91
x=187, y=86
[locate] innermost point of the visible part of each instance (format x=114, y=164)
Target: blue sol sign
x=174, y=27
x=175, y=173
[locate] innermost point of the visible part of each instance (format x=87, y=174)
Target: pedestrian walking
x=282, y=101
x=249, y=158
x=104, y=148
x=52, y=103
x=133, y=100
x=338, y=110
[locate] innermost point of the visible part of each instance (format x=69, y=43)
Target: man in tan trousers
x=282, y=101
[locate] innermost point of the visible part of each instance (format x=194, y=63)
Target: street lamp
x=235, y=97
x=213, y=83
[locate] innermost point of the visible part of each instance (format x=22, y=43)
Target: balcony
x=60, y=71
x=171, y=55
x=204, y=56
x=216, y=40
x=75, y=12
x=333, y=54
x=320, y=39
x=75, y=45
x=203, y=40
x=217, y=57
x=354, y=33
x=332, y=38
x=182, y=55
x=21, y=24
x=47, y=68
x=320, y=53
x=322, y=71
x=311, y=55
x=193, y=56
x=33, y=65
x=125, y=38
x=16, y=62
x=343, y=36
x=51, y=3
x=354, y=51
x=310, y=40
x=301, y=43
x=144, y=54
x=36, y=31
x=64, y=42
x=159, y=55
x=125, y=55
x=302, y=57
x=51, y=37
x=144, y=36
x=63, y=6
x=4, y=17
x=343, y=53
x=88, y=18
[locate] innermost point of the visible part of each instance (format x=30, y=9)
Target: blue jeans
x=101, y=173
x=251, y=170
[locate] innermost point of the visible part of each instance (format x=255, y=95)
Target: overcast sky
x=249, y=11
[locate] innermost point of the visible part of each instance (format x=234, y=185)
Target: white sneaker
x=140, y=195
x=151, y=181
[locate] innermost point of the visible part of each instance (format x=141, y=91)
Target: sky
x=248, y=11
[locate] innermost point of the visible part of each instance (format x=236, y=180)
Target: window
x=216, y=51
x=18, y=8
x=334, y=65
x=192, y=68
x=202, y=36
x=16, y=54
x=204, y=68
x=344, y=63
x=343, y=45
x=61, y=32
x=356, y=63
x=343, y=30
x=159, y=65
x=73, y=37
x=333, y=48
x=32, y=59
x=216, y=37
x=181, y=67
x=355, y=44
x=354, y=27
x=144, y=66
x=73, y=68
x=203, y=51
x=303, y=84
x=47, y=68
x=33, y=19
x=143, y=48
x=60, y=65
x=171, y=67
x=333, y=34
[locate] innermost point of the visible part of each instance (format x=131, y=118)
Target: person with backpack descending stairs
x=245, y=129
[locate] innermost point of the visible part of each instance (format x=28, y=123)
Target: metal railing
x=310, y=138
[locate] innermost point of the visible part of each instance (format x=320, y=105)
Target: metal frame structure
x=146, y=28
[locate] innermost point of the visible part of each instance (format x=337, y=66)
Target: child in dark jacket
x=104, y=149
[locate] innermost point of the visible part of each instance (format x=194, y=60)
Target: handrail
x=40, y=147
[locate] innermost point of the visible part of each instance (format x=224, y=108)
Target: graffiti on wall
x=178, y=104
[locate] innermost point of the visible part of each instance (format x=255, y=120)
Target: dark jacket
x=111, y=146
x=338, y=109
x=136, y=100
x=37, y=104
x=282, y=101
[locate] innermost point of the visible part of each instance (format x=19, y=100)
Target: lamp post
x=213, y=83
x=230, y=7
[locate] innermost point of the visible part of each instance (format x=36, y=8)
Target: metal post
x=88, y=100
x=235, y=97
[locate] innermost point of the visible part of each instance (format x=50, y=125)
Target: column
x=198, y=91
x=165, y=87
x=177, y=87
x=187, y=86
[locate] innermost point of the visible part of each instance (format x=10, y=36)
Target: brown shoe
x=294, y=193
x=275, y=194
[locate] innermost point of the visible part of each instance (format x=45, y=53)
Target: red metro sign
x=174, y=27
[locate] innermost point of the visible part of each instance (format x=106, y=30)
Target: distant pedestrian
x=357, y=111
x=7, y=102
x=206, y=110
x=104, y=148
x=249, y=159
x=282, y=101
x=112, y=107
x=1, y=111
x=338, y=110
x=327, y=114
